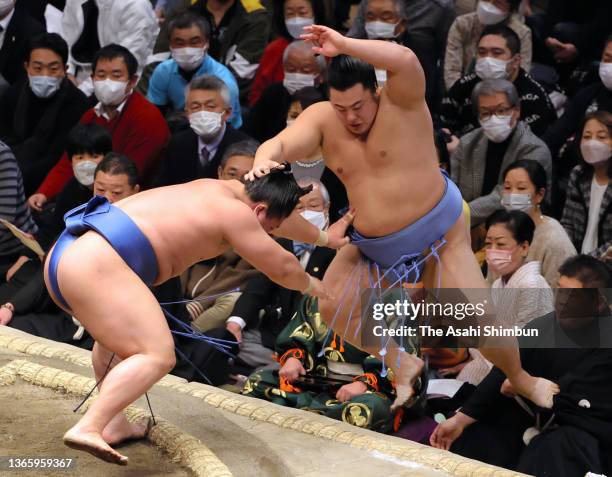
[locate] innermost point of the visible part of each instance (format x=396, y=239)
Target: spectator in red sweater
x=137, y=127
x=290, y=16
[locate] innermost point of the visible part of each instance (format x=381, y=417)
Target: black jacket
x=279, y=303
x=593, y=97
x=182, y=158
x=37, y=128
x=14, y=50
x=457, y=112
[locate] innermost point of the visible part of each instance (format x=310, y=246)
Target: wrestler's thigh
x=346, y=272
x=459, y=266
x=111, y=301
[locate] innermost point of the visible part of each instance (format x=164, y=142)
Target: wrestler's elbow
x=405, y=60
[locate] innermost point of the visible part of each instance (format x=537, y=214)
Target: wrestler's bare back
x=185, y=222
x=391, y=176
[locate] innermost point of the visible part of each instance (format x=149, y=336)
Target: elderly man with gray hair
x=303, y=69
x=196, y=153
x=482, y=155
x=264, y=309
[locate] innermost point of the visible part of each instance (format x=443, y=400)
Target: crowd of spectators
x=110, y=97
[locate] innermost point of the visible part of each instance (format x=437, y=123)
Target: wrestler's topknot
x=347, y=71
x=278, y=190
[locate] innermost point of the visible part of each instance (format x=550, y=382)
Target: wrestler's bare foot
x=409, y=370
x=540, y=391
x=116, y=434
x=93, y=443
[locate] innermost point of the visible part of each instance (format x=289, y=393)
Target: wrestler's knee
x=165, y=358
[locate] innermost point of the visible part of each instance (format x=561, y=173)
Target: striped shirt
x=13, y=207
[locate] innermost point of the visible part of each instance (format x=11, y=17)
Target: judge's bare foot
x=410, y=368
x=540, y=391
x=93, y=443
x=118, y=433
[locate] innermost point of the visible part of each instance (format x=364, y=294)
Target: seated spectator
x=386, y=20
x=427, y=25
x=224, y=277
x=498, y=58
x=524, y=188
x=596, y=96
x=36, y=114
x=17, y=27
x=570, y=32
x=137, y=127
x=196, y=153
x=576, y=439
x=587, y=216
x=240, y=32
x=311, y=355
x=290, y=17
x=88, y=25
x=189, y=39
x=483, y=154
x=303, y=69
x=467, y=29
x=313, y=167
x=520, y=294
x=256, y=330
x=13, y=209
x=30, y=308
x=86, y=146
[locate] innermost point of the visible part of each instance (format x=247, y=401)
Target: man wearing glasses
x=497, y=57
x=479, y=161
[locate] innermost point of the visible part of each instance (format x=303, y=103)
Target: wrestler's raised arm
x=244, y=233
x=405, y=78
x=295, y=227
x=295, y=142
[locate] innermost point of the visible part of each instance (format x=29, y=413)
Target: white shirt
x=4, y=24
x=211, y=147
x=590, y=241
x=101, y=113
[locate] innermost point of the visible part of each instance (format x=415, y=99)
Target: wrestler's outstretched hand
x=262, y=169
x=336, y=234
x=325, y=41
x=318, y=289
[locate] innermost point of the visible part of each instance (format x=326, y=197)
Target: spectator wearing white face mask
x=138, y=129
x=290, y=17
x=595, y=96
x=482, y=155
x=302, y=69
x=196, y=152
x=467, y=29
x=189, y=40
x=37, y=113
x=524, y=189
x=587, y=215
x=88, y=25
x=498, y=57
x=264, y=308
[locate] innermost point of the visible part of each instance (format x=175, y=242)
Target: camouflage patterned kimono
x=303, y=338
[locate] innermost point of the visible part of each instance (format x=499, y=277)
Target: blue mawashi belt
x=117, y=228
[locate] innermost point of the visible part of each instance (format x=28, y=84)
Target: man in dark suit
x=196, y=153
x=17, y=27
x=257, y=336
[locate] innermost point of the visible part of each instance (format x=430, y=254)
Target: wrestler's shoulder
x=320, y=109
